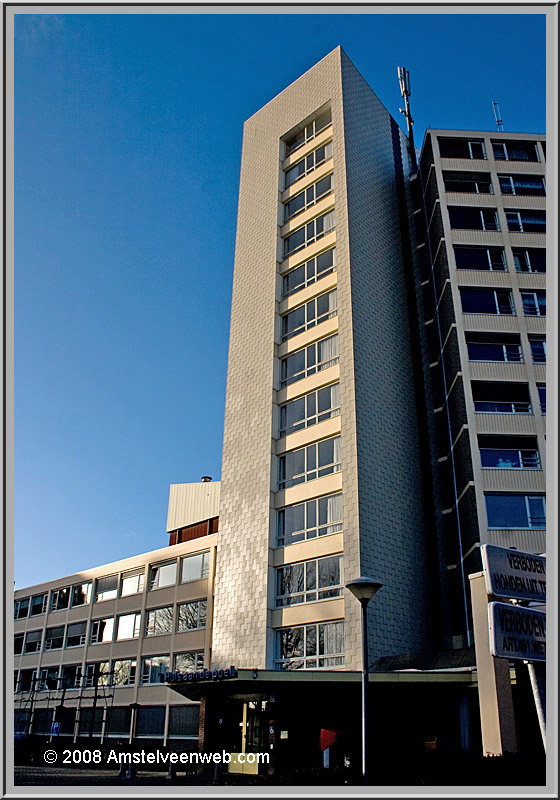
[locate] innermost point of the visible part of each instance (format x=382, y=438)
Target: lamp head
x=364, y=588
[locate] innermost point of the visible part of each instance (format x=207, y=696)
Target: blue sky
x=128, y=135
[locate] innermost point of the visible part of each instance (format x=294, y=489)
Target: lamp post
x=364, y=589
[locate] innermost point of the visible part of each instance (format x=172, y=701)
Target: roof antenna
x=497, y=116
x=404, y=80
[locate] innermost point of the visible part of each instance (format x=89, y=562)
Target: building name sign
x=201, y=675
x=513, y=574
x=517, y=632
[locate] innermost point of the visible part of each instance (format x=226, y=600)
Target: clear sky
x=128, y=135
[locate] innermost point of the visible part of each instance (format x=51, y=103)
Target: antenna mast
x=404, y=81
x=497, y=116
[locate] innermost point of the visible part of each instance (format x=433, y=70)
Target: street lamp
x=364, y=589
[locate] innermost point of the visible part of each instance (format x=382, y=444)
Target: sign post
x=515, y=631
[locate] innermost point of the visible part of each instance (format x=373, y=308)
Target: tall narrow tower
x=322, y=470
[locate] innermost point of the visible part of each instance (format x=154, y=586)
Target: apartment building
x=92, y=650
x=385, y=415
x=482, y=235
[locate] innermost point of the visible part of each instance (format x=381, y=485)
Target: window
x=515, y=151
x=493, y=346
x=531, y=259
x=308, y=164
x=106, y=588
x=192, y=616
x=309, y=233
x=308, y=581
x=184, y=720
x=310, y=314
x=118, y=721
x=189, y=662
x=470, y=182
x=522, y=184
x=124, y=672
x=128, y=626
x=541, y=388
x=515, y=510
x=315, y=358
x=91, y=721
x=76, y=634
x=102, y=630
x=132, y=583
x=480, y=258
x=308, y=197
x=97, y=674
x=309, y=272
x=42, y=720
x=33, y=642
x=318, y=517
x=534, y=304
x=310, y=409
x=495, y=397
x=154, y=669
x=487, y=301
x=71, y=677
x=473, y=219
x=526, y=221
x=48, y=679
x=22, y=718
x=509, y=452
x=81, y=594
x=163, y=574
x=18, y=644
x=538, y=348
x=27, y=680
x=60, y=599
x=311, y=646
x=21, y=608
x=159, y=620
x=462, y=148
x=150, y=721
x=194, y=568
x=38, y=605
x=54, y=638
x=308, y=132
x=308, y=463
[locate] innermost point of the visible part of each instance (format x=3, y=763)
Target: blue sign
x=55, y=728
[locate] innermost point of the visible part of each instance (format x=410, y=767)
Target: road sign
x=514, y=574
x=55, y=728
x=517, y=632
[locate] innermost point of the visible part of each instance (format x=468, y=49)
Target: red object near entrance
x=327, y=738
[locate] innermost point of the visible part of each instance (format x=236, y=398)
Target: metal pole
x=537, y=688
x=365, y=671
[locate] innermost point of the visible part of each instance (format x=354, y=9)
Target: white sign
x=513, y=574
x=517, y=632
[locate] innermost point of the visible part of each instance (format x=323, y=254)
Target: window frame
x=129, y=575
x=94, y=630
x=310, y=163
x=526, y=498
x=201, y=615
x=144, y=672
x=310, y=660
x=312, y=317
x=309, y=132
x=312, y=234
x=47, y=645
x=310, y=197
x=204, y=566
x=82, y=636
x=148, y=623
x=538, y=298
x=152, y=585
x=312, y=525
x=311, y=575
x=312, y=414
x=136, y=626
x=313, y=469
x=98, y=595
x=311, y=358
